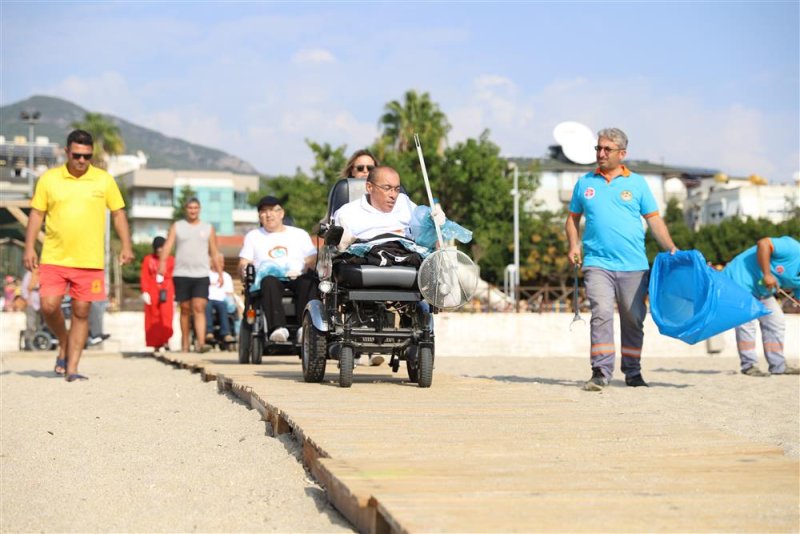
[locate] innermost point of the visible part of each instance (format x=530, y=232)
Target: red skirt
x=158, y=322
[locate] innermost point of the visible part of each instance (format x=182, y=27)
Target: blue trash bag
x=424, y=230
x=691, y=301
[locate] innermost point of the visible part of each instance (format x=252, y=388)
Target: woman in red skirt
x=158, y=294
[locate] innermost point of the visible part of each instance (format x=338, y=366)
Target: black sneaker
x=597, y=382
x=636, y=381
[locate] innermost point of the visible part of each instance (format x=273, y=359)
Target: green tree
x=416, y=114
x=471, y=182
x=107, y=138
x=720, y=243
x=475, y=191
x=328, y=162
x=132, y=271
x=304, y=197
x=179, y=208
x=546, y=261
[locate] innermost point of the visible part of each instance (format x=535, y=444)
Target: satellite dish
x=577, y=142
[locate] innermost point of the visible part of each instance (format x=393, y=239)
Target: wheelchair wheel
x=425, y=362
x=41, y=341
x=312, y=352
x=256, y=349
x=245, y=338
x=346, y=367
x=412, y=365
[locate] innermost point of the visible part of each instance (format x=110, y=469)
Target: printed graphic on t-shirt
x=779, y=269
x=626, y=196
x=278, y=252
x=589, y=193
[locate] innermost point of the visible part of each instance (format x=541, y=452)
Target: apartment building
x=223, y=196
x=721, y=198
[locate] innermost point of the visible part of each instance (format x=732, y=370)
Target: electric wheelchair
x=364, y=309
x=253, y=339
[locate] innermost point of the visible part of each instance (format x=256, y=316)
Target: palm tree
x=107, y=138
x=417, y=114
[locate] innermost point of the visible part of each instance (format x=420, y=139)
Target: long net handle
x=428, y=190
x=788, y=296
x=575, y=293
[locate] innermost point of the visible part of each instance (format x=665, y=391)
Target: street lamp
x=31, y=117
x=515, y=193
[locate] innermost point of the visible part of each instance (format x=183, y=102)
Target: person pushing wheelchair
x=284, y=257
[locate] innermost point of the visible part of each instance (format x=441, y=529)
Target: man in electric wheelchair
x=370, y=302
x=277, y=267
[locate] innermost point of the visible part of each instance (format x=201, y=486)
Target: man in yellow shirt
x=74, y=198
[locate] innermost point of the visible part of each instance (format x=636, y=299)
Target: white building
x=719, y=199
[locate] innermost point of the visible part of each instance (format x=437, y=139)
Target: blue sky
x=711, y=84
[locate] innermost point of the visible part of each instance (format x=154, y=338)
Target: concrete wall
x=460, y=334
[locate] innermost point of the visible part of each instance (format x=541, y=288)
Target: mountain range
x=163, y=152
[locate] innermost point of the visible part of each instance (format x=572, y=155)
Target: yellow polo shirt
x=75, y=215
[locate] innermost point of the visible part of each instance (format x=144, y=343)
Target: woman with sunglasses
x=359, y=164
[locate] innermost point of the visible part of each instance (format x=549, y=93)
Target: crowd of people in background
x=608, y=249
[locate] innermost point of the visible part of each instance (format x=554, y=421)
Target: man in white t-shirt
x=217, y=301
x=382, y=214
x=292, y=254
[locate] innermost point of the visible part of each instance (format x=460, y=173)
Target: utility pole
x=515, y=193
x=31, y=117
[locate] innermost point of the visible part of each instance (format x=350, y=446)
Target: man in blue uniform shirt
x=615, y=265
x=773, y=263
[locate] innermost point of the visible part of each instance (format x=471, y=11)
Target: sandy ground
x=145, y=447
x=707, y=390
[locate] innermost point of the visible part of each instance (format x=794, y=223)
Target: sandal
x=61, y=366
x=76, y=377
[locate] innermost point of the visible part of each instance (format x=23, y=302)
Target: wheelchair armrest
x=249, y=275
x=333, y=235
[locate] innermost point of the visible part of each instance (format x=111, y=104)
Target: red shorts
x=85, y=285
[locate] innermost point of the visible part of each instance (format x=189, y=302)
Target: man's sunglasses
x=362, y=168
x=77, y=155
x=606, y=149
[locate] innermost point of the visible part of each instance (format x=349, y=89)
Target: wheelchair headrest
x=344, y=191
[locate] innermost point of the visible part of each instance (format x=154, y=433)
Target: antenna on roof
x=577, y=141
